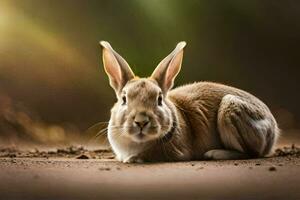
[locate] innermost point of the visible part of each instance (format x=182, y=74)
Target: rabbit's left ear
x=116, y=67
x=167, y=70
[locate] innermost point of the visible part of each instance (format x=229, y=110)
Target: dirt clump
x=78, y=152
x=272, y=168
x=292, y=150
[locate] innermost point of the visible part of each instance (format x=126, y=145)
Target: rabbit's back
x=200, y=104
x=208, y=95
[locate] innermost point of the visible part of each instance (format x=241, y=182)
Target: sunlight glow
x=17, y=29
x=4, y=17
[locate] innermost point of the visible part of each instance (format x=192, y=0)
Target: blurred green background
x=51, y=74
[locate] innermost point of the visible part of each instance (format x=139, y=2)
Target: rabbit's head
x=142, y=112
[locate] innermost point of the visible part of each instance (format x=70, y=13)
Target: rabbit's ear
x=116, y=67
x=169, y=67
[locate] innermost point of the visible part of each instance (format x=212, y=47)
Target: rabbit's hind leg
x=247, y=130
x=222, y=154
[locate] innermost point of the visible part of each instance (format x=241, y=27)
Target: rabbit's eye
x=124, y=100
x=159, y=101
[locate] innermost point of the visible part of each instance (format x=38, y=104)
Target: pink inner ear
x=112, y=67
x=173, y=69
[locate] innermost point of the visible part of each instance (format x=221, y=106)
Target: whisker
x=104, y=131
x=101, y=132
x=96, y=125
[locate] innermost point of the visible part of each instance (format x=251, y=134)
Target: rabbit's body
x=197, y=121
x=223, y=117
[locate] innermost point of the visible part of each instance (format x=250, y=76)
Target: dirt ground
x=75, y=173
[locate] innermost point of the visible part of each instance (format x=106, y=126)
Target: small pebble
x=104, y=169
x=12, y=155
x=82, y=157
x=110, y=157
x=272, y=168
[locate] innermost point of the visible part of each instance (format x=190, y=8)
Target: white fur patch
x=123, y=147
x=231, y=98
x=263, y=124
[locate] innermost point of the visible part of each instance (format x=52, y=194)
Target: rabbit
x=151, y=122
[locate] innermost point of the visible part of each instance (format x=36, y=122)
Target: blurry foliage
x=50, y=59
x=18, y=125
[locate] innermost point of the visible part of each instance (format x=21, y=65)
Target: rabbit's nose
x=141, y=120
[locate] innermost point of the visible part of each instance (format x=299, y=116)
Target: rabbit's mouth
x=144, y=135
x=140, y=135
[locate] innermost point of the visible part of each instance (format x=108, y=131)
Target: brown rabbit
x=203, y=120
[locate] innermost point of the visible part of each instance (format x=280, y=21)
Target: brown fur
x=213, y=121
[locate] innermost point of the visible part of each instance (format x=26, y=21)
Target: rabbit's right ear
x=167, y=70
x=116, y=67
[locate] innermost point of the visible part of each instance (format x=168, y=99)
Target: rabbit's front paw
x=133, y=159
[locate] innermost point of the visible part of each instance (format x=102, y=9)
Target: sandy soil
x=104, y=178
